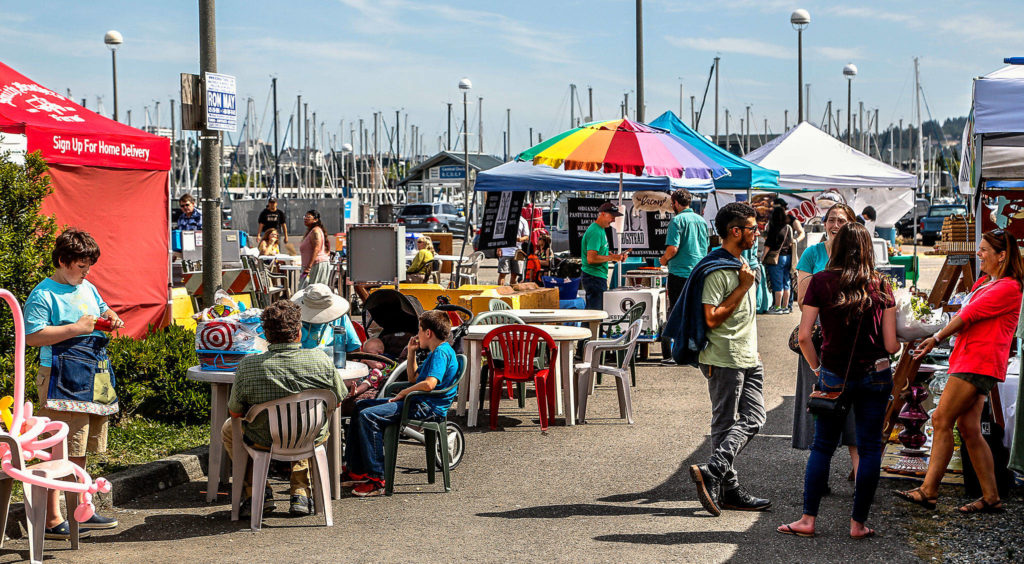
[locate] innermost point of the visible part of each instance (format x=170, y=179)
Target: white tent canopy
x=809, y=159
x=997, y=125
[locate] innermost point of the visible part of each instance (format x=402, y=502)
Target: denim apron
x=80, y=377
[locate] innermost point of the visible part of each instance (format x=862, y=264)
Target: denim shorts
x=778, y=274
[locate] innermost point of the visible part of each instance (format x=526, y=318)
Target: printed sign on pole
x=221, y=112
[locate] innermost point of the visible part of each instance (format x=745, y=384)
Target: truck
x=930, y=227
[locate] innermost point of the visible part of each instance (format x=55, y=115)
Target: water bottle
x=339, y=347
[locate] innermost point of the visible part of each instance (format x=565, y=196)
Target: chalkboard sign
x=501, y=220
x=581, y=213
x=643, y=236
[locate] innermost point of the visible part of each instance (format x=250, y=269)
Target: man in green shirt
x=595, y=256
x=732, y=366
x=685, y=244
x=285, y=369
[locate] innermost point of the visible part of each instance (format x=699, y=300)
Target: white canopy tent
x=993, y=141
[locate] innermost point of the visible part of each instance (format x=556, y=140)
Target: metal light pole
x=465, y=85
x=113, y=40
x=799, y=19
x=849, y=71
x=211, y=156
x=640, y=101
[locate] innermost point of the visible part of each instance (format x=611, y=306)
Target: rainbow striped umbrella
x=623, y=146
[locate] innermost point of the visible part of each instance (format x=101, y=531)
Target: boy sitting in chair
x=364, y=450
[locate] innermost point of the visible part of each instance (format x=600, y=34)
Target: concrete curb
x=135, y=482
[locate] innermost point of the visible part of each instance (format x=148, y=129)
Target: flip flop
x=981, y=506
x=869, y=534
x=789, y=530
x=917, y=497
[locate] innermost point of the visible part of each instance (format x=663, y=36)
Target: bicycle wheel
x=456, y=447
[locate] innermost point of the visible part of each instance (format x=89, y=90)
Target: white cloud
x=740, y=45
x=840, y=53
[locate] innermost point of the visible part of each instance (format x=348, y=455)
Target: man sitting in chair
x=364, y=450
x=285, y=369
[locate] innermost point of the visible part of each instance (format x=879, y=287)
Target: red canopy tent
x=108, y=179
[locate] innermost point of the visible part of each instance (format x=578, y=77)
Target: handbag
x=832, y=403
x=771, y=258
x=816, y=338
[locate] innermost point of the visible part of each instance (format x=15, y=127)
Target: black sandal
x=917, y=497
x=981, y=506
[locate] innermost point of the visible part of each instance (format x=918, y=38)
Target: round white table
x=566, y=337
x=592, y=317
x=220, y=387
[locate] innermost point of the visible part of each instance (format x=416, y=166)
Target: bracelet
x=817, y=370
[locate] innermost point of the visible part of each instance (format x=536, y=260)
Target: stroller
x=396, y=314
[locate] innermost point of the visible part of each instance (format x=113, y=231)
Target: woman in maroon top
x=984, y=327
x=848, y=294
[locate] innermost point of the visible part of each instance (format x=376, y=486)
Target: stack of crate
x=957, y=235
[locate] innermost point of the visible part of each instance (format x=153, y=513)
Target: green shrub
x=151, y=377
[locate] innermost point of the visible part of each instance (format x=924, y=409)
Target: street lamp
x=799, y=19
x=849, y=71
x=114, y=40
x=465, y=85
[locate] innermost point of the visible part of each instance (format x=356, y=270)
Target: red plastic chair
x=518, y=345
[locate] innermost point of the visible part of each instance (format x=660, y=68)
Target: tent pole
x=618, y=237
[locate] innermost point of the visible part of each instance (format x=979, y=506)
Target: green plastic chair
x=614, y=327
x=434, y=432
x=498, y=317
x=498, y=304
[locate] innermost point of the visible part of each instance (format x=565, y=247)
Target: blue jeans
x=595, y=287
x=868, y=396
x=364, y=445
x=778, y=274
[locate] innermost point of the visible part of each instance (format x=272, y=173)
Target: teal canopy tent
x=742, y=174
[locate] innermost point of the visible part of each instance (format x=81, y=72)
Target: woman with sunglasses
x=984, y=327
x=812, y=261
x=316, y=260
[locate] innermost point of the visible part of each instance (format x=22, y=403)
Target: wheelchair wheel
x=456, y=447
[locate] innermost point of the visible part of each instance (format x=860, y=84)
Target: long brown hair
x=854, y=258
x=1002, y=240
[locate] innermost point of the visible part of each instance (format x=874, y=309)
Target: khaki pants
x=299, y=483
x=86, y=432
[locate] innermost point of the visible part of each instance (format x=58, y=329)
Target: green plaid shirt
x=283, y=370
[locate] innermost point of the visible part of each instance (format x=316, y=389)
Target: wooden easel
x=957, y=274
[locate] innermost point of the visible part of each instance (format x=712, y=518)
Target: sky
x=351, y=58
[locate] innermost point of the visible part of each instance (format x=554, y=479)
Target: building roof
x=477, y=161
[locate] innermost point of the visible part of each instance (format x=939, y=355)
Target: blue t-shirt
x=688, y=233
x=443, y=365
x=52, y=304
x=316, y=335
x=814, y=259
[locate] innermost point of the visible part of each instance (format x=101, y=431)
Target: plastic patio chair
x=295, y=421
x=498, y=304
x=498, y=317
x=35, y=496
x=592, y=355
x=613, y=327
x=518, y=345
x=468, y=271
x=435, y=432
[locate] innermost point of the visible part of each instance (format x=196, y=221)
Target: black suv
x=437, y=218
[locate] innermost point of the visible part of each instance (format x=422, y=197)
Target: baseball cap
x=611, y=208
x=271, y=200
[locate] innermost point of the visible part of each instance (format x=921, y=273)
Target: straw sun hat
x=319, y=304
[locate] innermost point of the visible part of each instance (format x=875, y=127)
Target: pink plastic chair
x=518, y=345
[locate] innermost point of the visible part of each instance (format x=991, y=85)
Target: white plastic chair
x=470, y=268
x=295, y=421
x=585, y=371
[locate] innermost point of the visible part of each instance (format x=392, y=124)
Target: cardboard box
x=426, y=294
x=541, y=298
x=617, y=302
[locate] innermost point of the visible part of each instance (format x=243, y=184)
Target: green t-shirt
x=688, y=233
x=733, y=344
x=595, y=239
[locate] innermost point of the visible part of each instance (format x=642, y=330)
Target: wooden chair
x=593, y=352
x=295, y=421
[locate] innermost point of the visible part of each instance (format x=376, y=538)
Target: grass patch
x=138, y=441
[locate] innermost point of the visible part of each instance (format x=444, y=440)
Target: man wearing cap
x=285, y=369
x=595, y=256
x=273, y=218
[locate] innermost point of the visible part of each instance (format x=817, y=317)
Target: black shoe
x=62, y=532
x=707, y=488
x=300, y=505
x=98, y=522
x=739, y=500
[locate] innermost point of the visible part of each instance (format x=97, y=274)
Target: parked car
x=905, y=225
x=435, y=218
x=930, y=227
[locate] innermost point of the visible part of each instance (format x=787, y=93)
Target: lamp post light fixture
x=113, y=40
x=849, y=71
x=800, y=19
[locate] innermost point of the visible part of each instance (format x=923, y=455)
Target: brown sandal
x=981, y=506
x=917, y=497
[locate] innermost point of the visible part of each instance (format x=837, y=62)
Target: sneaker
x=97, y=522
x=245, y=508
x=708, y=487
x=370, y=488
x=349, y=479
x=775, y=311
x=62, y=532
x=739, y=500
x=300, y=505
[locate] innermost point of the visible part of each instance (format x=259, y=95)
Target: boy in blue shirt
x=364, y=451
x=62, y=311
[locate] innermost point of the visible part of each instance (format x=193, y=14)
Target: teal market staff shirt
x=814, y=259
x=688, y=233
x=595, y=239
